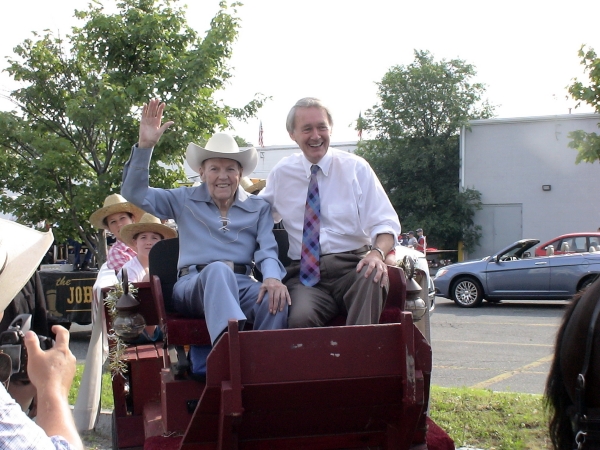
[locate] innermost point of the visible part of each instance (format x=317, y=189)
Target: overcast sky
x=524, y=51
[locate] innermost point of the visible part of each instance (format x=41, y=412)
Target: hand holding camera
x=13, y=344
x=51, y=370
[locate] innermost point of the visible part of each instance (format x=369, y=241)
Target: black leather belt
x=358, y=251
x=241, y=269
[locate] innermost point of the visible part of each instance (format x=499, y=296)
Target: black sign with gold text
x=69, y=295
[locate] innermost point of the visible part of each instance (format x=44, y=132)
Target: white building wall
x=509, y=160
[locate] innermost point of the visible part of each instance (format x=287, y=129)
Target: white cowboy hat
x=113, y=204
x=21, y=250
x=148, y=222
x=221, y=145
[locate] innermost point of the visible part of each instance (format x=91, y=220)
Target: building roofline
x=291, y=146
x=503, y=120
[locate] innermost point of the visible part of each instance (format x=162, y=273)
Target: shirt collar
x=201, y=194
x=324, y=164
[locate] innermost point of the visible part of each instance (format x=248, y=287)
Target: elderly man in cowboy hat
x=114, y=215
x=51, y=371
x=223, y=231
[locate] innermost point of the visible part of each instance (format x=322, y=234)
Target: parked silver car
x=514, y=273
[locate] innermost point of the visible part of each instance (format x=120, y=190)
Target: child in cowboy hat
x=114, y=215
x=51, y=371
x=142, y=236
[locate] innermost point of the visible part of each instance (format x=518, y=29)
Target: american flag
x=260, y=135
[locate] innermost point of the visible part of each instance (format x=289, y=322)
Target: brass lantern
x=414, y=303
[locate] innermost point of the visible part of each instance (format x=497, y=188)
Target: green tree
x=76, y=112
x=421, y=108
x=587, y=144
x=241, y=142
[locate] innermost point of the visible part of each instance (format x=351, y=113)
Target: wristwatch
x=380, y=252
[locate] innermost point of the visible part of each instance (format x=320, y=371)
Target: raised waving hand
x=151, y=126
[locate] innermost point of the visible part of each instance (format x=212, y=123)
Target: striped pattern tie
x=310, y=273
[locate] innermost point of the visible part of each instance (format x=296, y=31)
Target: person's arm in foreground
x=52, y=372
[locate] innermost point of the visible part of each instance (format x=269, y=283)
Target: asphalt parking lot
x=505, y=346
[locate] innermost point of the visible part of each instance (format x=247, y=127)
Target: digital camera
x=12, y=343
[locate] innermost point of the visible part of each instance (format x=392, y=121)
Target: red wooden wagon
x=336, y=387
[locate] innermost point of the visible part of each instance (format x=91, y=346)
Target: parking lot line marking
x=506, y=375
x=493, y=343
x=520, y=324
x=532, y=372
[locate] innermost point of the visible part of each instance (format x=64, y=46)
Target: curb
x=104, y=423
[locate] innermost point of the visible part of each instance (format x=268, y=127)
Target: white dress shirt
x=354, y=205
x=135, y=271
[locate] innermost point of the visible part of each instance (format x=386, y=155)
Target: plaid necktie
x=310, y=273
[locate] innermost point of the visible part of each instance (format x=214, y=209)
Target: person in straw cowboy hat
x=252, y=186
x=142, y=236
x=114, y=215
x=51, y=371
x=223, y=230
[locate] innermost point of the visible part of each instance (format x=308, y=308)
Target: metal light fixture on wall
x=129, y=323
x=546, y=187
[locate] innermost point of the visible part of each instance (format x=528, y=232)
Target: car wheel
x=587, y=282
x=467, y=293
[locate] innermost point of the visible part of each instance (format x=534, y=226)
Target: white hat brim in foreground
x=21, y=250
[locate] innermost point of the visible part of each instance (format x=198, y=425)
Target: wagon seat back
x=180, y=330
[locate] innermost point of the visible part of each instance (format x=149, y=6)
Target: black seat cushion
x=163, y=259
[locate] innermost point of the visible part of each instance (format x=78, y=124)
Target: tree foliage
x=587, y=144
x=421, y=108
x=77, y=107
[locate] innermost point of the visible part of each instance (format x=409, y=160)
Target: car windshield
x=518, y=250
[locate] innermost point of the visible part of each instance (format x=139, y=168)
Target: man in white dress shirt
x=358, y=225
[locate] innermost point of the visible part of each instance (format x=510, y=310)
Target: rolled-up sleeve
x=377, y=215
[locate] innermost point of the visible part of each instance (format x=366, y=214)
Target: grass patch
x=491, y=420
x=106, y=396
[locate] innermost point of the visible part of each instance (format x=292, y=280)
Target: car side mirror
x=527, y=255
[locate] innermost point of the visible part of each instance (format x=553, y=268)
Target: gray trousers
x=218, y=295
x=341, y=290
